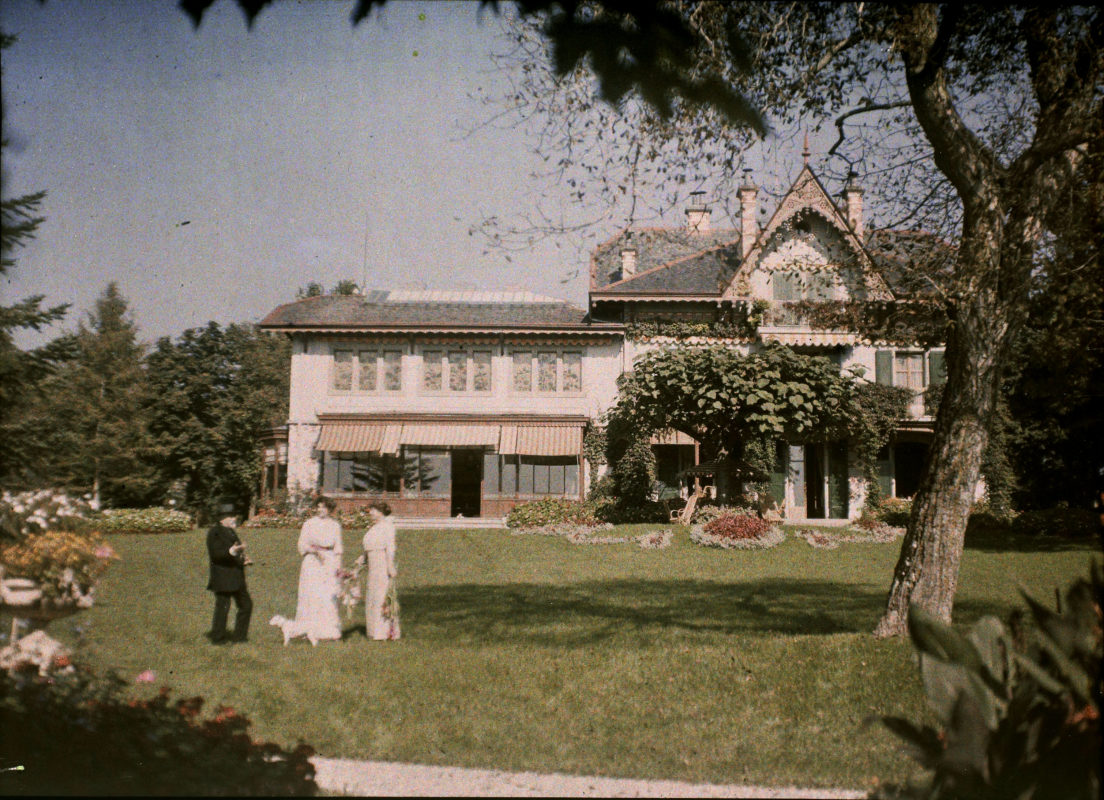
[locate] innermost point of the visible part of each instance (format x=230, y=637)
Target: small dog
x=291, y=629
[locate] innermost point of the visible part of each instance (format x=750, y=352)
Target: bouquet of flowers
x=351, y=594
x=391, y=610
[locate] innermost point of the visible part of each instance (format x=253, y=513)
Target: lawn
x=532, y=653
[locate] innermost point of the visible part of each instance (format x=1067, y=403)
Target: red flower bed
x=737, y=526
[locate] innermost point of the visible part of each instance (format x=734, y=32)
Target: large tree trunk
x=927, y=568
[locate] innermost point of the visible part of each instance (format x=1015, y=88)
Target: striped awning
x=359, y=437
x=541, y=440
x=670, y=436
x=449, y=435
x=807, y=338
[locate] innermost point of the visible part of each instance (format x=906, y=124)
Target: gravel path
x=383, y=778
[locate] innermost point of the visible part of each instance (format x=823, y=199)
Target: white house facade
x=467, y=403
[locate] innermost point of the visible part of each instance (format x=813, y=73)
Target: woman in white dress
x=316, y=612
x=379, y=552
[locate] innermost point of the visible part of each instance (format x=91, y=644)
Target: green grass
x=531, y=653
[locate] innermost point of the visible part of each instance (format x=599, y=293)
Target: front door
x=467, y=482
x=814, y=481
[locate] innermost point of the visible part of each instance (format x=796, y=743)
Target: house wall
x=312, y=394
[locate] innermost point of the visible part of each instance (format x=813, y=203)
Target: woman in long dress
x=379, y=551
x=316, y=612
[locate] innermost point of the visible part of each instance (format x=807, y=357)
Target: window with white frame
x=547, y=371
x=456, y=370
x=361, y=369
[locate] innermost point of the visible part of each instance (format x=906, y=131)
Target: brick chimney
x=853, y=194
x=749, y=230
x=697, y=213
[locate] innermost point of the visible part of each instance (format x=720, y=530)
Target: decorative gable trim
x=807, y=193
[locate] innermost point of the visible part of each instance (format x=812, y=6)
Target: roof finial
x=805, y=153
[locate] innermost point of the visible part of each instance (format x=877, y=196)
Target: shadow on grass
x=1001, y=541
x=589, y=612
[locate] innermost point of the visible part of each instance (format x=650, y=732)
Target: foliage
x=878, y=410
x=743, y=526
x=21, y=371
x=893, y=511
x=81, y=734
x=66, y=565
x=1018, y=709
x=594, y=445
x=312, y=289
x=92, y=418
x=710, y=511
x=643, y=331
x=550, y=511
x=723, y=398
x=37, y=511
x=216, y=388
x=737, y=532
x=907, y=321
x=1071, y=523
x=634, y=473
x=143, y=520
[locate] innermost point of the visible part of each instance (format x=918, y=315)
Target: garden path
x=383, y=778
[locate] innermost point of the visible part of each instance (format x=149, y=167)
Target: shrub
x=143, y=520
x=710, y=512
x=77, y=734
x=66, y=565
x=737, y=526
x=1018, y=709
x=893, y=511
x=273, y=520
x=551, y=511
x=1070, y=523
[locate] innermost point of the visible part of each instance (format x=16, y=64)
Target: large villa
x=465, y=404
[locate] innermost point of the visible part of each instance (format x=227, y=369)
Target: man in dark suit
x=227, y=556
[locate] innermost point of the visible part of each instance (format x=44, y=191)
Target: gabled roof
x=915, y=264
x=432, y=311
x=806, y=195
x=669, y=260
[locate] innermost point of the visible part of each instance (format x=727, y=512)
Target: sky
x=210, y=173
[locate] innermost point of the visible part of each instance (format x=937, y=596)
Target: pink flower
x=149, y=676
x=105, y=551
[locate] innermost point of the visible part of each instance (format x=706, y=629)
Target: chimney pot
x=697, y=213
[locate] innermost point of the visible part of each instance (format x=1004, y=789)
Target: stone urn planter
x=23, y=599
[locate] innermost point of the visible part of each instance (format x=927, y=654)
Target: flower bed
x=142, y=520
x=737, y=532
x=869, y=531
x=587, y=534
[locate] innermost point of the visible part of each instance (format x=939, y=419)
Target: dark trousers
x=222, y=610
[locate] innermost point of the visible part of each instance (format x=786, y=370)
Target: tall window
x=547, y=371
x=458, y=370
x=908, y=370
x=361, y=472
x=512, y=475
x=365, y=370
x=427, y=471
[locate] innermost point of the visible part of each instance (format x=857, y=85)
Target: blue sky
x=211, y=173
x=280, y=148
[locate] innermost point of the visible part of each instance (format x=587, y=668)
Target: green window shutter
x=883, y=367
x=937, y=367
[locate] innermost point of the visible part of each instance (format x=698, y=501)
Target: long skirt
x=378, y=626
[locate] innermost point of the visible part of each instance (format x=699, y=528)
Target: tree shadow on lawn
x=998, y=541
x=591, y=611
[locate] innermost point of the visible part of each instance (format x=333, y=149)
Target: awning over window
x=528, y=439
x=359, y=437
x=450, y=435
x=541, y=440
x=670, y=436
